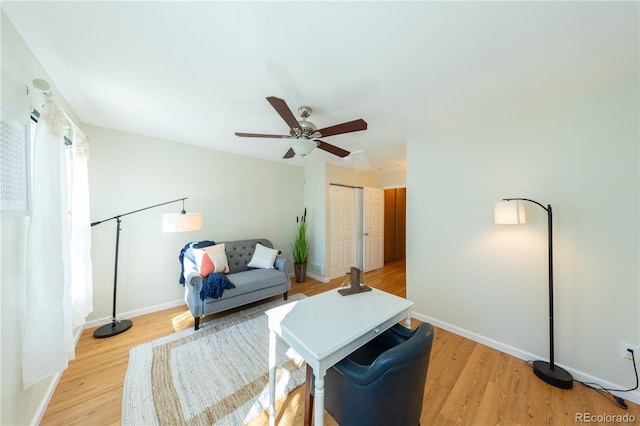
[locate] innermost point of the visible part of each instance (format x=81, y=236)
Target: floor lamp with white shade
x=511, y=211
x=171, y=222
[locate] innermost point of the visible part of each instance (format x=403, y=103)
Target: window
x=14, y=162
x=35, y=117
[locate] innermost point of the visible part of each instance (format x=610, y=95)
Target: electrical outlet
x=624, y=353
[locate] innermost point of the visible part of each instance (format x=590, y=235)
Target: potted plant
x=300, y=248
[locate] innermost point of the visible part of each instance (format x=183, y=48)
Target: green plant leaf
x=300, y=246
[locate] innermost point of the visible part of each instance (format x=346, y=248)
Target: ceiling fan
x=304, y=134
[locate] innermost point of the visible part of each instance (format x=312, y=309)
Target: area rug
x=217, y=375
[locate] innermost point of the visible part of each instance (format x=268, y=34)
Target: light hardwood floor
x=467, y=383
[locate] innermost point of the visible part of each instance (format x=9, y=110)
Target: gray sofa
x=250, y=284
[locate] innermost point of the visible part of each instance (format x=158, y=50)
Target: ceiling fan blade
x=283, y=109
x=260, y=135
x=348, y=127
x=332, y=149
x=289, y=154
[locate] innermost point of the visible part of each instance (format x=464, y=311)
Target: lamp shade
x=181, y=222
x=303, y=147
x=509, y=213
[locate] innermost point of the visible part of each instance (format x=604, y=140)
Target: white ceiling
x=196, y=72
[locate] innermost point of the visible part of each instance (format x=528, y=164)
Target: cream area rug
x=218, y=375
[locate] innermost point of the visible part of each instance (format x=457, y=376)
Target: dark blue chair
x=382, y=383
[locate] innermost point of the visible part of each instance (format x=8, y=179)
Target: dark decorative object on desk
x=355, y=284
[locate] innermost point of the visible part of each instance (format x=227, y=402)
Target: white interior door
x=373, y=229
x=341, y=230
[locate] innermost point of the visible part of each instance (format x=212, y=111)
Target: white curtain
x=80, y=262
x=59, y=284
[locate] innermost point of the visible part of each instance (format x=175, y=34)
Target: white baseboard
x=527, y=356
x=135, y=313
x=46, y=398
x=314, y=276
x=318, y=277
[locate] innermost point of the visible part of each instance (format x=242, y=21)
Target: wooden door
x=341, y=230
x=401, y=223
x=389, y=225
x=395, y=224
x=373, y=225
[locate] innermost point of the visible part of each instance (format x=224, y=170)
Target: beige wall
x=351, y=177
x=488, y=281
x=239, y=197
x=395, y=179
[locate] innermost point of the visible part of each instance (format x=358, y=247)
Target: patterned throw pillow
x=203, y=262
x=218, y=256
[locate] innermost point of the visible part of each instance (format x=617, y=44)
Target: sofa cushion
x=218, y=256
x=255, y=279
x=263, y=257
x=204, y=264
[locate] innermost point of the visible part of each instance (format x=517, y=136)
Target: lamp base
x=112, y=329
x=552, y=374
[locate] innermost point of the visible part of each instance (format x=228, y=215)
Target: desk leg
x=407, y=320
x=319, y=399
x=308, y=398
x=272, y=378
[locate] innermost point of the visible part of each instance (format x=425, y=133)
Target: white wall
x=239, y=197
x=395, y=179
x=348, y=176
x=314, y=200
x=19, y=68
x=489, y=281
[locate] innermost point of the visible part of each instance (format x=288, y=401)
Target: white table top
x=323, y=324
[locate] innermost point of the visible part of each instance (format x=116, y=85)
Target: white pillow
x=263, y=257
x=218, y=256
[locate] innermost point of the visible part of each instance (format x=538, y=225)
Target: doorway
x=356, y=229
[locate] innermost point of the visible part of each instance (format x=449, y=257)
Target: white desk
x=327, y=327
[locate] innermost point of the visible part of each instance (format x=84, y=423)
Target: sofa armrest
x=282, y=264
x=193, y=279
x=193, y=285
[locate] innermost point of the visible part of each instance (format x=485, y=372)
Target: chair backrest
x=383, y=382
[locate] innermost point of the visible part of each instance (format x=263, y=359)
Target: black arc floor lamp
x=508, y=212
x=171, y=222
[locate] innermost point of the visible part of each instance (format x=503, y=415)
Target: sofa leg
x=286, y=295
x=197, y=323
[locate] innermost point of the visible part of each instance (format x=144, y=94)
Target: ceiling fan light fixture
x=304, y=135
x=303, y=147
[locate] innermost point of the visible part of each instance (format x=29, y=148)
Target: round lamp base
x=112, y=329
x=552, y=374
